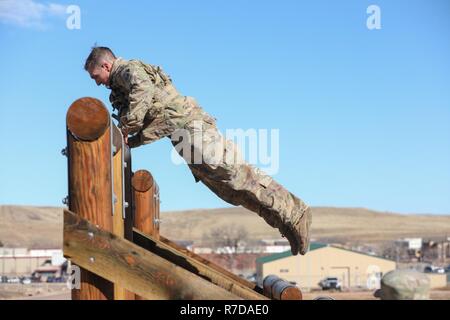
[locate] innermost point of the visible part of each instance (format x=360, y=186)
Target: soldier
x=404, y=285
x=150, y=108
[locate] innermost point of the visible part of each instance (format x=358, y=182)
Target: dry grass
x=367, y=295
x=329, y=224
x=33, y=227
x=41, y=227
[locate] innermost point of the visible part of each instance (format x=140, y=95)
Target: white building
x=21, y=261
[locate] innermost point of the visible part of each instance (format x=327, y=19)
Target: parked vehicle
x=3, y=279
x=440, y=270
x=330, y=283
x=14, y=280
x=53, y=279
x=434, y=269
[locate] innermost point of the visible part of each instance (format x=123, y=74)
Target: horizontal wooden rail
x=132, y=267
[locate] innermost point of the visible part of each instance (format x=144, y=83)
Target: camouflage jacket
x=148, y=104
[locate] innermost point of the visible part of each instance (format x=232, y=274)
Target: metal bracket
x=113, y=196
x=124, y=164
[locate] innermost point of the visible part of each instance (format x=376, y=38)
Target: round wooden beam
x=283, y=290
x=268, y=282
x=279, y=289
x=142, y=181
x=88, y=119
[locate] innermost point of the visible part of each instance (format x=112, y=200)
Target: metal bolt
x=125, y=204
x=65, y=201
x=91, y=234
x=114, y=149
x=125, y=165
x=64, y=151
x=92, y=259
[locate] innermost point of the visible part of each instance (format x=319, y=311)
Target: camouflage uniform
x=404, y=285
x=150, y=108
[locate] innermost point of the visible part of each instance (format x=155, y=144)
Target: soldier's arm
x=141, y=91
x=116, y=101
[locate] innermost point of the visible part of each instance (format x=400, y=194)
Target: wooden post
x=146, y=206
x=119, y=218
x=90, y=185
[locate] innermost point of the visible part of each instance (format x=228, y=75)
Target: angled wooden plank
x=132, y=267
x=178, y=256
x=211, y=265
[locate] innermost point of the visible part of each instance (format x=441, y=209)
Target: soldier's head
x=404, y=285
x=99, y=64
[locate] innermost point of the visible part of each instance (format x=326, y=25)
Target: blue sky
x=364, y=115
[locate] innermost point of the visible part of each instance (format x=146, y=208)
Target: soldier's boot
x=294, y=225
x=298, y=230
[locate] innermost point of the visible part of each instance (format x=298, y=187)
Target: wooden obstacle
x=111, y=230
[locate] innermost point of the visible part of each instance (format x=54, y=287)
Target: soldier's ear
x=107, y=66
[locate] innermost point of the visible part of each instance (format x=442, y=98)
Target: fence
x=111, y=230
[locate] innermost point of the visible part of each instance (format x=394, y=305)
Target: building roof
x=47, y=269
x=313, y=246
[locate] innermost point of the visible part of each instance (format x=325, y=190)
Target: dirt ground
x=442, y=294
x=60, y=292
x=35, y=290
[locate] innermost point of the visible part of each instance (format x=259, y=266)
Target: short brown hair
x=97, y=55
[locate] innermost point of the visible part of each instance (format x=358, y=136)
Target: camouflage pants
x=223, y=171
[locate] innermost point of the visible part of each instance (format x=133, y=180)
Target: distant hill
x=41, y=227
x=32, y=227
